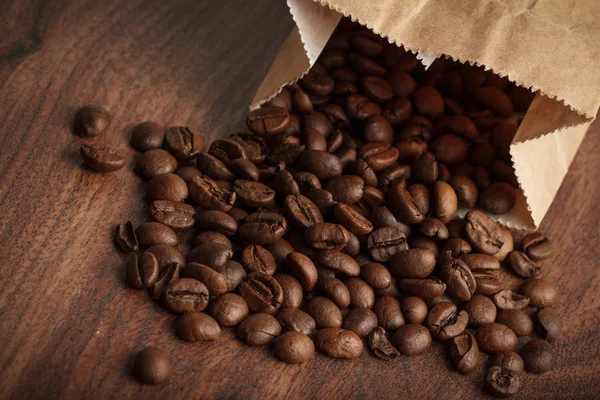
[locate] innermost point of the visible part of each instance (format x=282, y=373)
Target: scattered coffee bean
x=414, y=310
x=547, y=325
x=151, y=366
x=183, y=143
x=101, y=158
x=228, y=309
x=538, y=356
x=541, y=292
x=380, y=345
x=509, y=300
x=495, y=337
x=259, y=329
x=297, y=320
x=175, y=215
x=91, y=120
x=360, y=320
x=184, y=295
x=464, y=352
x=126, y=238
x=537, y=246
x=154, y=162
x=501, y=382
x=294, y=348
x=339, y=343
x=142, y=270
x=509, y=360
x=445, y=321
x=147, y=135
x=481, y=310
x=411, y=339
x=197, y=326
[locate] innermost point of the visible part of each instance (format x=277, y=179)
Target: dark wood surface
x=68, y=323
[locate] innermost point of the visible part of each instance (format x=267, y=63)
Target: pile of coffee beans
x=333, y=224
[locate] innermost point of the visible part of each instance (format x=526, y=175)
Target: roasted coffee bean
x=307, y=181
x=440, y=299
x=501, y=382
x=455, y=228
x=459, y=279
x=507, y=246
x=519, y=322
x=464, y=352
x=426, y=289
x=367, y=44
x=481, y=262
x=457, y=246
x=183, y=143
x=303, y=269
x=450, y=149
x=294, y=348
x=126, y=238
x=428, y=102
x=403, y=206
x=325, y=313
x=388, y=312
x=509, y=300
x=261, y=292
x=244, y=169
x=376, y=275
x=411, y=339
x=361, y=294
x=414, y=310
x=211, y=236
x=197, y=326
x=320, y=163
x=481, y=310
x=166, y=255
x=335, y=290
x=322, y=199
x=142, y=270
x=301, y=102
x=396, y=111
x=254, y=146
x=537, y=246
x=286, y=153
x=283, y=100
x=317, y=82
x=410, y=149
x=292, y=290
x=365, y=65
x=237, y=214
x=378, y=129
x=413, y=263
x=483, y=233
x=301, y=211
x=547, y=325
x=216, y=221
x=187, y=172
x=538, y=356
x=151, y=366
x=394, y=174
x=380, y=345
x=268, y=120
x=466, y=190
x=253, y=194
x=541, y=292
x=167, y=275
x=444, y=321
x=213, y=280
x=352, y=220
x=425, y=169
x=433, y=228
x=445, y=202
x=420, y=195
x=509, y=360
x=228, y=309
x=494, y=99
x=352, y=248
x=376, y=88
x=314, y=140
x=373, y=197
x=154, y=162
x=255, y=258
x=185, y=295
x=167, y=187
x=280, y=250
x=488, y=284
x=363, y=169
x=359, y=107
x=293, y=319
x=91, y=120
x=383, y=243
x=327, y=236
x=284, y=184
x=213, y=254
x=147, y=135
x=227, y=150
x=382, y=217
x=101, y=158
x=423, y=242
x=150, y=234
x=347, y=189
x=495, y=337
x=262, y=228
x=498, y=198
x=339, y=262
x=378, y=156
x=213, y=167
x=339, y=343
x=360, y=321
x=523, y=265
x=259, y=329
x=208, y=194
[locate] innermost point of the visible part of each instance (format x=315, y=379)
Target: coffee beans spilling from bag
x=333, y=223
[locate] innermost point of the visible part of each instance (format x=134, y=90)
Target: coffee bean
x=537, y=246
x=254, y=146
x=167, y=187
x=256, y=258
x=208, y=194
x=91, y=120
x=519, y=322
x=234, y=274
x=253, y=194
x=352, y=220
x=376, y=275
x=361, y=294
x=154, y=233
x=541, y=292
x=314, y=140
x=325, y=313
x=185, y=294
x=388, y=312
x=183, y=143
x=495, y=337
x=445, y=202
x=168, y=274
x=303, y=269
x=488, y=284
x=101, y=158
x=262, y=292
x=262, y=228
x=287, y=153
x=426, y=289
x=403, y=206
x=268, y=120
x=466, y=190
x=365, y=65
x=280, y=250
x=212, y=254
x=317, y=82
x=320, y=163
x=548, y=325
x=501, y=382
x=414, y=310
x=523, y=265
x=339, y=343
x=142, y=270
x=378, y=156
x=335, y=290
x=464, y=352
x=293, y=319
x=383, y=243
x=481, y=262
x=347, y=189
x=380, y=345
x=378, y=129
x=259, y=329
x=444, y=321
x=459, y=279
x=301, y=211
x=413, y=263
x=509, y=360
x=411, y=339
x=217, y=221
x=294, y=348
x=481, y=310
x=457, y=247
x=433, y=228
x=175, y=215
x=538, y=356
x=360, y=321
x=425, y=169
x=509, y=300
x=326, y=236
x=211, y=236
x=306, y=181
x=495, y=99
x=166, y=255
x=244, y=169
x=147, y=135
x=154, y=162
x=151, y=366
x=214, y=281
x=125, y=237
x=283, y=100
x=213, y=167
x=498, y=198
x=382, y=217
x=338, y=262
x=322, y=199
x=483, y=233
x=187, y=172
x=197, y=326
x=292, y=290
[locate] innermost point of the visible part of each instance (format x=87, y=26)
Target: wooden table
x=68, y=323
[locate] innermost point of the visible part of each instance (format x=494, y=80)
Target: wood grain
x=69, y=325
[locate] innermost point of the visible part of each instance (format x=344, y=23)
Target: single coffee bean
x=495, y=337
x=537, y=246
x=283, y=100
x=378, y=129
x=166, y=255
x=376, y=88
x=458, y=278
x=91, y=120
x=150, y=234
x=388, y=312
x=151, y=366
x=211, y=236
x=335, y=290
x=538, y=356
x=306, y=181
x=382, y=217
x=228, y=309
x=444, y=297
x=352, y=220
x=426, y=289
x=501, y=382
x=378, y=156
x=413, y=263
x=383, y=243
x=125, y=237
x=411, y=339
x=482, y=232
x=464, y=352
x=339, y=262
x=414, y=310
x=214, y=168
x=498, y=198
x=262, y=292
x=425, y=169
x=361, y=294
x=208, y=194
x=314, y=140
x=314, y=122
x=403, y=205
x=339, y=343
x=185, y=294
x=216, y=221
x=548, y=325
x=167, y=187
x=301, y=211
x=347, y=189
x=294, y=348
x=428, y=102
x=292, y=290
x=444, y=321
x=183, y=143
x=147, y=135
x=541, y=292
x=519, y=322
x=254, y=146
x=450, y=149
x=256, y=258
x=318, y=82
x=376, y=275
x=320, y=163
x=253, y=194
x=523, y=265
x=259, y=329
x=325, y=313
x=293, y=319
x=303, y=269
x=495, y=99
x=380, y=345
x=244, y=169
x=509, y=300
x=168, y=274
x=481, y=262
x=227, y=150
x=457, y=247
x=509, y=360
x=488, y=284
x=445, y=202
x=213, y=280
x=280, y=250
x=187, y=172
x=466, y=190
x=142, y=270
x=286, y=153
x=154, y=162
x=322, y=199
x=197, y=326
x=234, y=274
x=327, y=236
x=433, y=228
x=175, y=215
x=481, y=310
x=212, y=254
x=262, y=228
x=268, y=120
x=101, y=158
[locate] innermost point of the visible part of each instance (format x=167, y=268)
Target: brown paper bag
x=550, y=46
